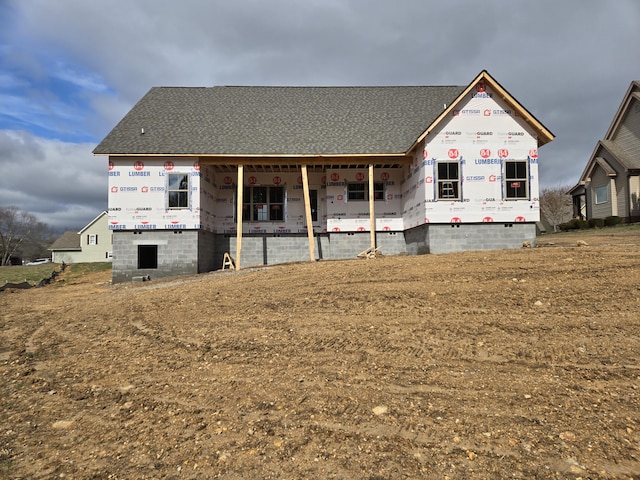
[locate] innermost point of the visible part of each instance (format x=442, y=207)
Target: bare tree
x=556, y=205
x=21, y=234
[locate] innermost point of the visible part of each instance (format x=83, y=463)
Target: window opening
x=602, y=194
x=178, y=190
x=313, y=200
x=263, y=204
x=360, y=191
x=516, y=179
x=147, y=256
x=448, y=180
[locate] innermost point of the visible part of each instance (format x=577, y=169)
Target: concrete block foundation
x=162, y=253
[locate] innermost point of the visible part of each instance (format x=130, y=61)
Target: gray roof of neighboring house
x=68, y=241
x=627, y=161
x=278, y=120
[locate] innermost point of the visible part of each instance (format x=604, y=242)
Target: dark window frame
x=263, y=203
x=359, y=191
x=448, y=180
x=178, y=190
x=516, y=180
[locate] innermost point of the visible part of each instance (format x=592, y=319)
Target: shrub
x=612, y=221
x=596, y=222
x=574, y=224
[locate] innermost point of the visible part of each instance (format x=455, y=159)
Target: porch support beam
x=239, y=200
x=307, y=211
x=372, y=213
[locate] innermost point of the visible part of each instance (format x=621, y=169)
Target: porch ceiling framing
x=303, y=165
x=280, y=164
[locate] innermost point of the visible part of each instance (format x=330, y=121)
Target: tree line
x=23, y=236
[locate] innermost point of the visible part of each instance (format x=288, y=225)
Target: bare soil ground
x=503, y=364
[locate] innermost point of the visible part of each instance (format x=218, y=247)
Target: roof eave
x=624, y=105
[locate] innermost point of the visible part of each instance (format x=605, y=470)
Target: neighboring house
x=610, y=183
x=195, y=173
x=91, y=244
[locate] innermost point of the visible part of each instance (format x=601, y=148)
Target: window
x=448, y=180
x=263, y=204
x=92, y=239
x=516, y=180
x=313, y=200
x=602, y=194
x=360, y=191
x=178, y=190
x=147, y=256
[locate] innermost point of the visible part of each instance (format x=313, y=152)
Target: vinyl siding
x=599, y=179
x=627, y=136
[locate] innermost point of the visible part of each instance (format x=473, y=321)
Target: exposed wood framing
x=239, y=215
x=372, y=212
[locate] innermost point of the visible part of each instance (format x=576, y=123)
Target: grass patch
x=29, y=273
x=618, y=230
x=34, y=273
x=78, y=270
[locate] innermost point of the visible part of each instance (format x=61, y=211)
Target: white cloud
x=85, y=81
x=63, y=184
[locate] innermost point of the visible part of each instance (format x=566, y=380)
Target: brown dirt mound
x=518, y=364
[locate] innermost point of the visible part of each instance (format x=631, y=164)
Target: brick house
x=195, y=173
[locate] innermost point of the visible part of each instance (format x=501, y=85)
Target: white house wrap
x=441, y=168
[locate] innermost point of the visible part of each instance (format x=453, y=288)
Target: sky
x=71, y=69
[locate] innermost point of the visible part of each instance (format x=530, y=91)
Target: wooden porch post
x=372, y=213
x=307, y=211
x=239, y=201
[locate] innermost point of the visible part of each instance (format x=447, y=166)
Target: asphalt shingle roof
x=628, y=161
x=68, y=241
x=277, y=120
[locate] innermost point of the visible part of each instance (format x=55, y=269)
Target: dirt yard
x=489, y=365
